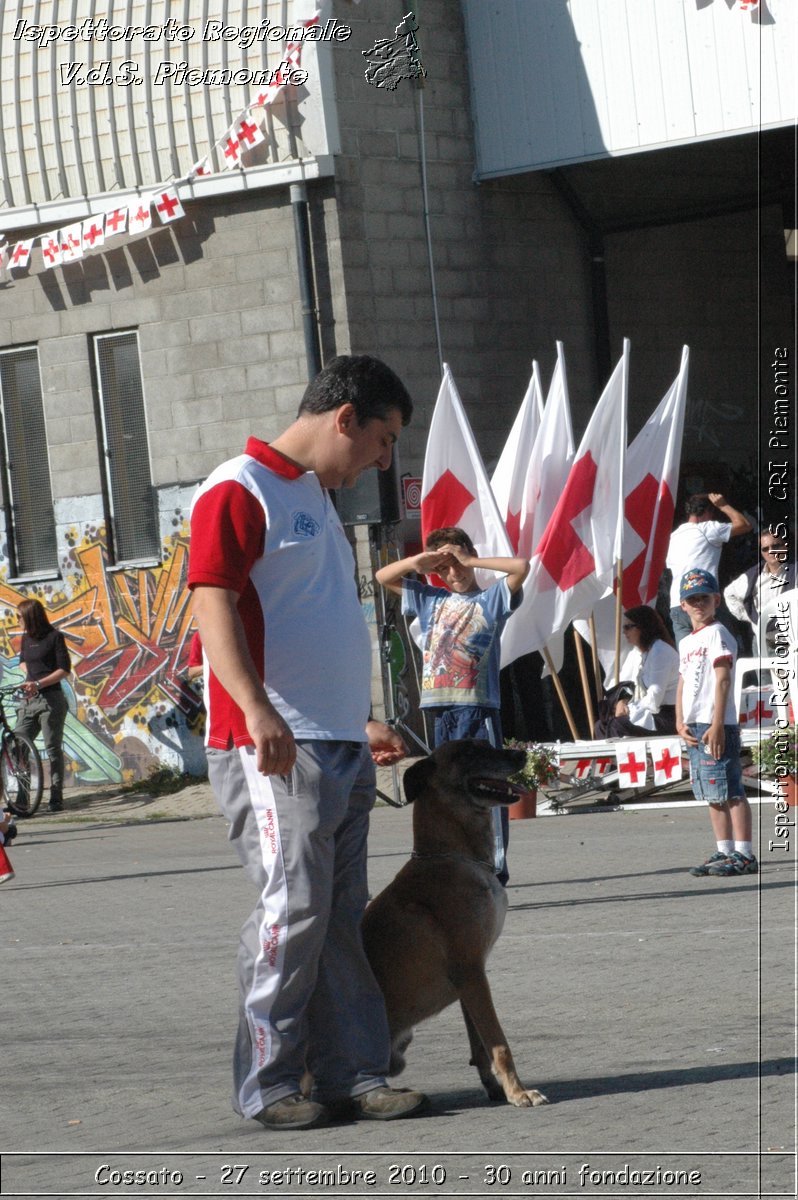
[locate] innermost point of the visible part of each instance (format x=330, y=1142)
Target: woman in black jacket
x=46, y=659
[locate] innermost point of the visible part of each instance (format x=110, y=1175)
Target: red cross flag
x=573, y=563
x=231, y=150
x=650, y=482
x=168, y=206
x=51, y=250
x=116, y=221
x=248, y=132
x=455, y=489
x=666, y=758
x=631, y=762
x=140, y=215
x=20, y=255
x=202, y=167
x=547, y=471
x=93, y=232
x=509, y=476
x=72, y=243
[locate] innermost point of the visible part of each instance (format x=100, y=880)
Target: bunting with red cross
x=245, y=133
x=666, y=759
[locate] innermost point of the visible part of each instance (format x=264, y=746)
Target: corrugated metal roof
x=572, y=80
x=110, y=96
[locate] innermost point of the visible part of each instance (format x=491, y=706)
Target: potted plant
x=777, y=758
x=539, y=769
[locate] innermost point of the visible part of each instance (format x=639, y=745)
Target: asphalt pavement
x=655, y=1010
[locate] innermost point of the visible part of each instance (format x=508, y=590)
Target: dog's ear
x=417, y=778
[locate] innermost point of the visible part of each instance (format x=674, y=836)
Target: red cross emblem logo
x=632, y=767
x=50, y=249
x=20, y=253
x=141, y=215
x=668, y=763
x=247, y=132
x=91, y=234
x=563, y=553
x=445, y=502
x=232, y=149
x=115, y=219
x=168, y=204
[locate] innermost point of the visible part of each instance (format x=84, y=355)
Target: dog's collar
x=478, y=862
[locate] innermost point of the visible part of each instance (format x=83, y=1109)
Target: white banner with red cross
x=666, y=759
x=631, y=764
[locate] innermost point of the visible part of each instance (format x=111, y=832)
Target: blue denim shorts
x=716, y=779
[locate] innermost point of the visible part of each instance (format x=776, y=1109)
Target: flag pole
x=580, y=655
x=594, y=650
x=618, y=616
x=569, y=716
x=621, y=507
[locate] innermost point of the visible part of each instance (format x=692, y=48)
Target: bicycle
x=21, y=771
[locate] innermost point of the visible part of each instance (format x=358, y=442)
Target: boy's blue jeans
x=716, y=780
x=475, y=721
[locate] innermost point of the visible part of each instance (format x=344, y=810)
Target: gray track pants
x=307, y=994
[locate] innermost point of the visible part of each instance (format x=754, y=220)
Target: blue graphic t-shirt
x=460, y=646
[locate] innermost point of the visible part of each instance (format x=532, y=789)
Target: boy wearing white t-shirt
x=707, y=721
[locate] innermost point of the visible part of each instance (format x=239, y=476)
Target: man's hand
x=275, y=748
x=385, y=744
x=715, y=740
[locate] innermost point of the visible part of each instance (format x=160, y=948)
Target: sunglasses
x=772, y=548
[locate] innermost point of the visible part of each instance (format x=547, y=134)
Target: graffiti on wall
x=131, y=708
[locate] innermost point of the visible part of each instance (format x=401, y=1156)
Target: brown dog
x=428, y=935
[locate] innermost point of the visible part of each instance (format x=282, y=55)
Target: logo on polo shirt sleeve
x=304, y=525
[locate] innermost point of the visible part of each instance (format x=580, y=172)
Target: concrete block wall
x=510, y=264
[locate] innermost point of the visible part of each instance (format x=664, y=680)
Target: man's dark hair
x=368, y=384
x=695, y=505
x=449, y=535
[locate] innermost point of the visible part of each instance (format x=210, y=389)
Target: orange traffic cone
x=6, y=870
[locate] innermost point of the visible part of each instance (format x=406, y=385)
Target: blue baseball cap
x=697, y=583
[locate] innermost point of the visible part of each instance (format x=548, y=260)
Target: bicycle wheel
x=21, y=774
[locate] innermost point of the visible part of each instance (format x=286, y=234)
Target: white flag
x=168, y=206
x=573, y=563
x=72, y=242
x=666, y=759
x=455, y=489
x=547, y=473
x=651, y=479
x=140, y=215
x=510, y=474
x=248, y=132
x=51, y=250
x=93, y=232
x=116, y=221
x=231, y=150
x=631, y=763
x=20, y=256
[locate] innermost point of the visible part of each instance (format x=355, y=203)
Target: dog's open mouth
x=495, y=790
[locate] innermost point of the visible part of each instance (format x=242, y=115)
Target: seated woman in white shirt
x=652, y=667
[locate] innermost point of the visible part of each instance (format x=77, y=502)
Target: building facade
x=364, y=218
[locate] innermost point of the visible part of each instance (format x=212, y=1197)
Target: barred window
x=26, y=490
x=129, y=498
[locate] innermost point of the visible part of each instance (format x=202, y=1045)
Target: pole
x=580, y=654
x=618, y=616
x=594, y=650
x=561, y=694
